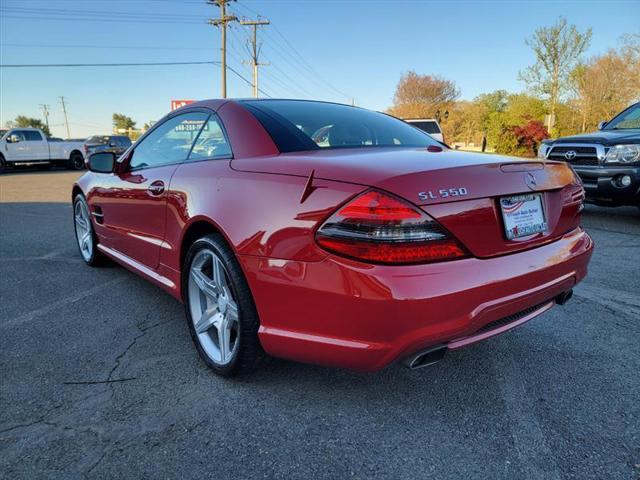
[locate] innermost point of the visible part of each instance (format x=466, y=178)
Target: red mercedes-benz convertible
x=331, y=234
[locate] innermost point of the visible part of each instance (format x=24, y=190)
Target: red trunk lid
x=459, y=189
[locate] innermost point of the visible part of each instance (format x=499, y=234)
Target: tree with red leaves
x=529, y=136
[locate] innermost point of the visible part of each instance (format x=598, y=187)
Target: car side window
x=211, y=143
x=168, y=143
x=19, y=134
x=32, y=136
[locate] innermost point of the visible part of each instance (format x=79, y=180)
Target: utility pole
x=222, y=22
x=66, y=120
x=45, y=113
x=255, y=50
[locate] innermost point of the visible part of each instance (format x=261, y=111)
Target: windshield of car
x=626, y=120
x=428, y=126
x=299, y=125
x=98, y=140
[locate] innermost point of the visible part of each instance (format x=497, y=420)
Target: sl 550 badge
x=443, y=193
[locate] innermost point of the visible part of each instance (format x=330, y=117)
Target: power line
x=80, y=65
x=55, y=65
x=126, y=47
x=306, y=67
x=98, y=13
x=103, y=20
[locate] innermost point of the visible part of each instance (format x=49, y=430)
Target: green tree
x=557, y=49
x=22, y=121
x=514, y=110
x=494, y=101
x=122, y=122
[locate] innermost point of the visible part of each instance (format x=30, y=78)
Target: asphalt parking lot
x=99, y=379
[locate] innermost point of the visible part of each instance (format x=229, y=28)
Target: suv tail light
x=380, y=228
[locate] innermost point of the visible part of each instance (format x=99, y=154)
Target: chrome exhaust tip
x=425, y=358
x=564, y=297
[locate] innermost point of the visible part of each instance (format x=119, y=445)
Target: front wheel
x=85, y=235
x=76, y=161
x=222, y=317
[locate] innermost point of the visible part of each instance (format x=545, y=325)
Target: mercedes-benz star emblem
x=570, y=155
x=530, y=180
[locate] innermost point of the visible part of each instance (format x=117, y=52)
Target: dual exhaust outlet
x=433, y=355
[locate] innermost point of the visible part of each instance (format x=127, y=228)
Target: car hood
x=409, y=172
x=604, y=137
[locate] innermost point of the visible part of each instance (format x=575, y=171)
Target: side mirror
x=602, y=124
x=13, y=138
x=103, y=162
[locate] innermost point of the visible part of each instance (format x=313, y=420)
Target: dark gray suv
x=117, y=144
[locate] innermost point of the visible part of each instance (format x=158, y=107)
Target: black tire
x=95, y=259
x=76, y=161
x=249, y=354
x=3, y=164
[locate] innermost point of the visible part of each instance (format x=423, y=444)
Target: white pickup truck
x=22, y=146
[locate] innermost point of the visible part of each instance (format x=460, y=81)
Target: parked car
x=429, y=125
x=26, y=146
x=381, y=246
x=117, y=144
x=607, y=161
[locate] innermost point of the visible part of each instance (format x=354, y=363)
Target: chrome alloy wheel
x=83, y=229
x=213, y=308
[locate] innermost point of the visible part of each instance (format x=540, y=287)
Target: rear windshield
x=299, y=125
x=426, y=126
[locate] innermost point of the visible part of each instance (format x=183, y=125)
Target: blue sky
x=331, y=50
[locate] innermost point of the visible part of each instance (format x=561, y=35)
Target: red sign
x=176, y=104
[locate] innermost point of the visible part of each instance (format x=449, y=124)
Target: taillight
x=380, y=228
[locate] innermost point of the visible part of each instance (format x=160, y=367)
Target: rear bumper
x=347, y=314
x=601, y=186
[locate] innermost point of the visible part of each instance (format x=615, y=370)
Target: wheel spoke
x=207, y=320
x=224, y=338
x=85, y=240
x=205, y=284
x=218, y=274
x=232, y=311
x=80, y=222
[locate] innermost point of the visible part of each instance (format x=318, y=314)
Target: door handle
x=156, y=188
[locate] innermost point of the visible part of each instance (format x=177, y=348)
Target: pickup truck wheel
x=85, y=235
x=76, y=161
x=3, y=164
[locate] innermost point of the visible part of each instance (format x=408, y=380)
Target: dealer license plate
x=523, y=215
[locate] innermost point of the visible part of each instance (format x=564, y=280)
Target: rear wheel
x=76, y=161
x=222, y=317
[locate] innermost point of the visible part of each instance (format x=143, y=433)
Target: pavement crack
x=98, y=382
x=118, y=360
x=96, y=463
x=42, y=419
